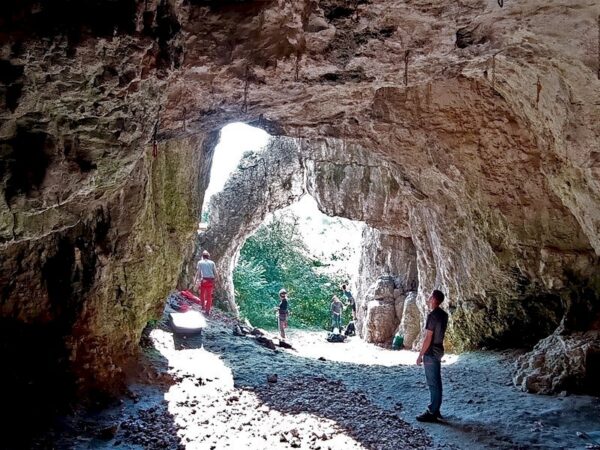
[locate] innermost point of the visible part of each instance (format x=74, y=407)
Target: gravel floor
x=226, y=391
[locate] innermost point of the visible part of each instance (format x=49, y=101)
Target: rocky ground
x=226, y=391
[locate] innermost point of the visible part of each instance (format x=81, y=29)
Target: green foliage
x=276, y=257
x=204, y=216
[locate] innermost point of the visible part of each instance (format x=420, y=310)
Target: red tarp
x=191, y=297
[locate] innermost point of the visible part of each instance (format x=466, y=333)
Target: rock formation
x=411, y=321
x=377, y=317
x=264, y=182
x=279, y=176
x=561, y=363
x=390, y=259
x=469, y=128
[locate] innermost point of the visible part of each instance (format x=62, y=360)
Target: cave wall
x=93, y=228
x=387, y=272
x=487, y=118
x=90, y=287
x=346, y=182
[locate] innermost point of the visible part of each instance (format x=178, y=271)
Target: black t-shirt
x=283, y=307
x=437, y=321
x=350, y=299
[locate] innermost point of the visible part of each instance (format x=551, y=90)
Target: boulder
x=399, y=306
x=410, y=325
x=380, y=322
x=383, y=288
x=561, y=363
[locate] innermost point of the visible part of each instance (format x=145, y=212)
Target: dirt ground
x=321, y=395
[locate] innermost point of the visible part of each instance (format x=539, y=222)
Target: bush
x=276, y=257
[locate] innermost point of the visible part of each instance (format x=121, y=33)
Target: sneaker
x=427, y=417
x=439, y=416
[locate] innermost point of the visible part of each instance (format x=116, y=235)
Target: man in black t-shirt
x=283, y=312
x=350, y=299
x=431, y=355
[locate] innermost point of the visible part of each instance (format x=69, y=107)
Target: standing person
x=283, y=312
x=205, y=280
x=431, y=355
x=350, y=300
x=336, y=313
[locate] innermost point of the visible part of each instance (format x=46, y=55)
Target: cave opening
x=465, y=134
x=235, y=139
x=276, y=190
x=307, y=253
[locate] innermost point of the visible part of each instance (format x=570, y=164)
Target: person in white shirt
x=205, y=280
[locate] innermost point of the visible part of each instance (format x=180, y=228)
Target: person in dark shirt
x=282, y=312
x=431, y=355
x=350, y=300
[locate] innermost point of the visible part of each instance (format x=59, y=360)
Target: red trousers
x=206, y=293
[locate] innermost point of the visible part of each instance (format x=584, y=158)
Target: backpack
x=350, y=329
x=335, y=337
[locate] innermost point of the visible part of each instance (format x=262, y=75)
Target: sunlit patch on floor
x=211, y=413
x=312, y=344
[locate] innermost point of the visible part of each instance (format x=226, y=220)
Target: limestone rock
x=399, y=306
x=410, y=326
x=264, y=182
x=561, y=363
x=389, y=255
x=380, y=321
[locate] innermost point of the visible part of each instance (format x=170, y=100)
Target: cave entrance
x=235, y=139
x=383, y=277
x=307, y=253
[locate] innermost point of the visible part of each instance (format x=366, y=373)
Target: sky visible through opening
x=236, y=138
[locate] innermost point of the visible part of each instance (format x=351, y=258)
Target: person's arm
x=425, y=347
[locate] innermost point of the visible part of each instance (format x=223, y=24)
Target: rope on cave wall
x=155, y=133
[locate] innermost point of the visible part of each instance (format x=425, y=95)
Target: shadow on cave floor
x=137, y=419
x=220, y=398
x=482, y=408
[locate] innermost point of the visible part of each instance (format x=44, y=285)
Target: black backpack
x=350, y=329
x=335, y=337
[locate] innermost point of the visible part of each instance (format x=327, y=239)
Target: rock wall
x=279, y=176
x=385, y=257
x=469, y=128
x=561, y=363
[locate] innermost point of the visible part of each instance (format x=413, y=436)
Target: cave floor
x=356, y=396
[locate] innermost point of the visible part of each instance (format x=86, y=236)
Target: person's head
x=344, y=287
x=435, y=299
x=282, y=293
x=335, y=298
x=205, y=254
